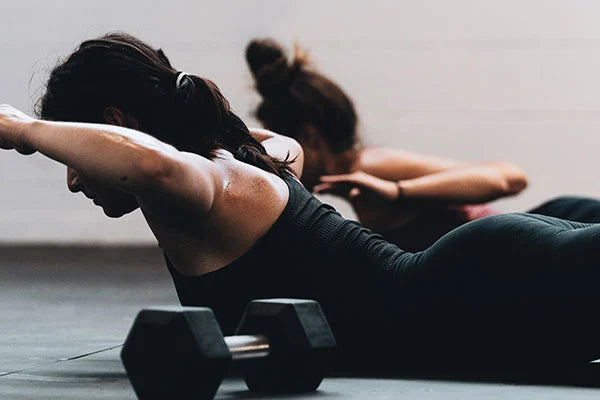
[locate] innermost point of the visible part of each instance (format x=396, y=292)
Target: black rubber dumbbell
x=180, y=352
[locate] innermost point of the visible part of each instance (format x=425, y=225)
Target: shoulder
x=379, y=160
x=243, y=185
x=248, y=204
x=373, y=157
x=221, y=192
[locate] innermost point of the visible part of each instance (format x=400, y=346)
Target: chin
x=116, y=209
x=114, y=213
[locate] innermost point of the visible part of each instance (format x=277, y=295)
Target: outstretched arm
x=130, y=160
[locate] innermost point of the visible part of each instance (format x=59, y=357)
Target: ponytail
x=209, y=123
x=294, y=95
x=189, y=113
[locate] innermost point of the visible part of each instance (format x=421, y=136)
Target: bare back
x=247, y=203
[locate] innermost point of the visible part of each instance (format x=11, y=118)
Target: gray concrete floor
x=64, y=315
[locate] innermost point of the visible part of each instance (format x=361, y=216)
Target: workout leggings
x=580, y=209
x=519, y=286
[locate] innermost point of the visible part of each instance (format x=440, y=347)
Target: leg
x=515, y=255
x=513, y=289
x=581, y=209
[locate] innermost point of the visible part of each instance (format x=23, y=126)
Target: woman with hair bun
x=235, y=224
x=411, y=199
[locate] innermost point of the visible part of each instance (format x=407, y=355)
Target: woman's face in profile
x=115, y=203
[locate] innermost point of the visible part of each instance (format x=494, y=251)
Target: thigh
x=581, y=209
x=510, y=256
x=507, y=288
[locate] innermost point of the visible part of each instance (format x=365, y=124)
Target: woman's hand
x=356, y=184
x=378, y=203
x=12, y=124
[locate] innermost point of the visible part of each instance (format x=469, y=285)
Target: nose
x=73, y=182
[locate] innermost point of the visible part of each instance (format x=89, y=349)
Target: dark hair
x=120, y=70
x=294, y=95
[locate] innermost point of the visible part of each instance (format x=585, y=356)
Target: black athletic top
x=310, y=252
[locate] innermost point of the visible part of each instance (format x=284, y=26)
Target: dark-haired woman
x=235, y=224
x=411, y=199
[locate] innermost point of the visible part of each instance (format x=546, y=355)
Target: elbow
x=517, y=180
x=512, y=179
x=517, y=184
x=296, y=157
x=295, y=149
x=506, y=186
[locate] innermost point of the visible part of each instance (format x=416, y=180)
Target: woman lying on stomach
x=235, y=224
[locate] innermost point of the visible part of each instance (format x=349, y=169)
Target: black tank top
x=387, y=306
x=310, y=252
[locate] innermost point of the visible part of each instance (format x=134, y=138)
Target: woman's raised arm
x=125, y=158
x=398, y=174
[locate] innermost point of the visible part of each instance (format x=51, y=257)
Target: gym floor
x=65, y=312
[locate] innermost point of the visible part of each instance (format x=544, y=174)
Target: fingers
x=345, y=185
x=25, y=150
x=322, y=188
x=5, y=145
x=337, y=189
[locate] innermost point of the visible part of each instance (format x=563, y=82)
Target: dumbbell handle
x=248, y=346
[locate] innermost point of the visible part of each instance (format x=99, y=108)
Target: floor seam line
x=61, y=360
x=91, y=353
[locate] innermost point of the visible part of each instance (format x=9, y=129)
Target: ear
x=114, y=116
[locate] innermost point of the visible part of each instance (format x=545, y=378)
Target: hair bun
x=269, y=66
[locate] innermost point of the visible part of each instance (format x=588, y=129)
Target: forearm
x=469, y=184
x=107, y=153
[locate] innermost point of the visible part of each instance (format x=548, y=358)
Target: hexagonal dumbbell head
x=301, y=344
x=175, y=353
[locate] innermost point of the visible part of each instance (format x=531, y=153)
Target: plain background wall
x=514, y=80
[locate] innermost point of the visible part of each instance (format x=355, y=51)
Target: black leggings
x=580, y=209
x=507, y=290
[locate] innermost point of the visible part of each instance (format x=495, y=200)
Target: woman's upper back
x=246, y=203
x=310, y=251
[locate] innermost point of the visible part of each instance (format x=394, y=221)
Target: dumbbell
x=180, y=352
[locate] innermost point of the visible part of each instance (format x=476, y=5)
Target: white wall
x=472, y=79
